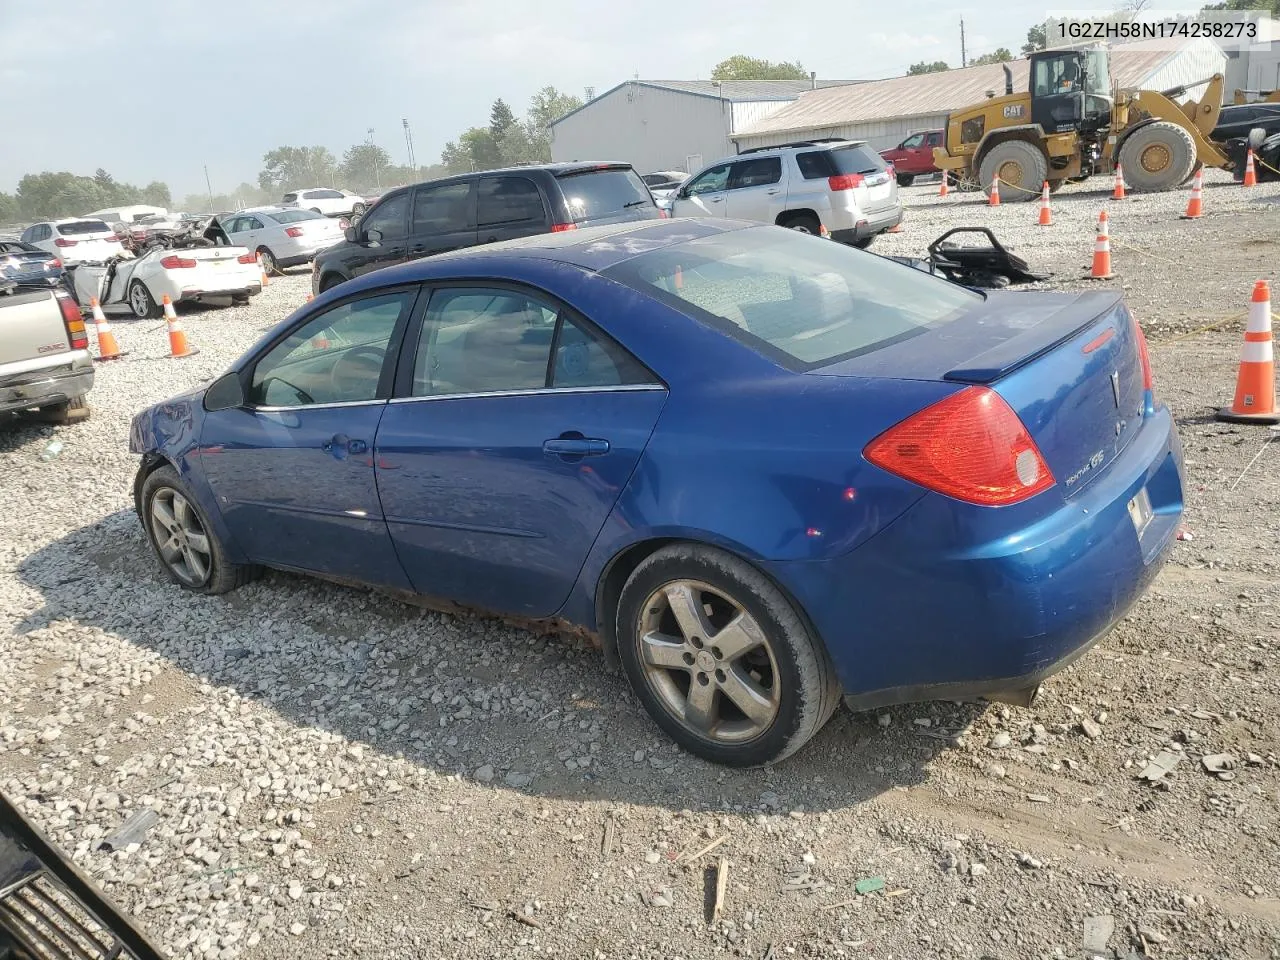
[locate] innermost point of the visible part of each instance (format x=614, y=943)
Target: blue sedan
x=767, y=471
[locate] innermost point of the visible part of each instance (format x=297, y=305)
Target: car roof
x=591, y=248
x=71, y=220
x=555, y=169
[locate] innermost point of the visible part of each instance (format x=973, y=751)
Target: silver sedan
x=283, y=237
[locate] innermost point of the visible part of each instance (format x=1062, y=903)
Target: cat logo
x=1013, y=111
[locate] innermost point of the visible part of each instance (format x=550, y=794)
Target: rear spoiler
x=50, y=908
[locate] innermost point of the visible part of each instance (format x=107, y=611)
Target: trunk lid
x=27, y=264
x=1068, y=364
x=31, y=326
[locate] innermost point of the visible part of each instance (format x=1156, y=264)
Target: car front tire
x=720, y=658
x=190, y=553
x=141, y=302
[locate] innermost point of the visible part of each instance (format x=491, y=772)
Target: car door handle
x=339, y=445
x=717, y=199
x=575, y=447
x=772, y=192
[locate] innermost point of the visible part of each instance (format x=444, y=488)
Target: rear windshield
x=293, y=216
x=857, y=158
x=601, y=193
x=76, y=227
x=799, y=300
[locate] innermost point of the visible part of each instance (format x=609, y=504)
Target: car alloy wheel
x=709, y=662
x=140, y=301
x=269, y=266
x=180, y=537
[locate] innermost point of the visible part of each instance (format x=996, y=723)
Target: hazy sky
x=153, y=91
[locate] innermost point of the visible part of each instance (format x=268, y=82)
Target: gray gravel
x=334, y=771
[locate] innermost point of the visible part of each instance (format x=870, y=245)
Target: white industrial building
x=1255, y=68
x=884, y=112
x=670, y=124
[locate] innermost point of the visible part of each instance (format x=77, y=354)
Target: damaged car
x=181, y=264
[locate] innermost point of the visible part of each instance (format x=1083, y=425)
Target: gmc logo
x=51, y=347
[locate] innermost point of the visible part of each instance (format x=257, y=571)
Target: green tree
x=1000, y=55
x=1271, y=7
x=742, y=67
x=918, y=68
x=157, y=194
x=549, y=105
x=8, y=208
x=1036, y=40
x=286, y=168
x=365, y=167
x=501, y=119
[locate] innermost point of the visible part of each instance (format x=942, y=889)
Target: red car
x=913, y=157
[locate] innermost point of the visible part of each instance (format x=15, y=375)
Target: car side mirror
x=351, y=234
x=373, y=237
x=225, y=393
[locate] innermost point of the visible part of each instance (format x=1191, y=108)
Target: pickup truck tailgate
x=31, y=326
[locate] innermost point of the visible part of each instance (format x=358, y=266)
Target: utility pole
x=376, y=176
x=408, y=142
x=964, y=60
x=208, y=186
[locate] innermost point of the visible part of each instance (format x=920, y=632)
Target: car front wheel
x=183, y=539
x=720, y=658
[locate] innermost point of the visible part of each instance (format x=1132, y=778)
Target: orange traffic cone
x=266, y=281
x=1250, y=172
x=1117, y=192
x=1046, y=215
x=108, y=349
x=1195, y=206
x=942, y=190
x=178, y=346
x=1255, y=400
x=1102, y=252
x=994, y=199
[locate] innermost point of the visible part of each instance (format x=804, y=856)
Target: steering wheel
x=353, y=369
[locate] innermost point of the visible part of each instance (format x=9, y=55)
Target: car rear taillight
x=174, y=262
x=55, y=262
x=845, y=181
x=74, y=323
x=562, y=227
x=663, y=215
x=1143, y=355
x=250, y=257
x=64, y=242
x=293, y=231
x=970, y=446
x=116, y=238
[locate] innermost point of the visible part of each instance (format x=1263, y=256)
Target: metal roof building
x=884, y=112
x=670, y=124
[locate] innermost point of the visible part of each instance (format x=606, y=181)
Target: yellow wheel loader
x=1071, y=123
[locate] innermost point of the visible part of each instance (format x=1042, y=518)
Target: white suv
x=330, y=202
x=838, y=186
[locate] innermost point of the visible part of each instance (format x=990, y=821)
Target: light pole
x=408, y=142
x=377, y=178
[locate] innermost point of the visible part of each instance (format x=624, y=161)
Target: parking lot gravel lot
x=337, y=773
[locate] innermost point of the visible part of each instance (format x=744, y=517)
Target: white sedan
x=185, y=275
x=282, y=238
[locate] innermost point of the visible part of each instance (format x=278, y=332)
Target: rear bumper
x=958, y=602
x=199, y=296
x=68, y=375
x=875, y=223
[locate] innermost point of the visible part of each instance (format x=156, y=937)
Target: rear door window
x=446, y=208
x=757, y=172
x=602, y=193
x=509, y=200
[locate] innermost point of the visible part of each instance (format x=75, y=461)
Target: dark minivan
x=474, y=208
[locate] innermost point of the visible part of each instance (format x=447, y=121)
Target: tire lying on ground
x=1022, y=167
x=1159, y=156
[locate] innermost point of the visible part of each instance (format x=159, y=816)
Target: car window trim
x=531, y=392
x=402, y=389
x=386, y=377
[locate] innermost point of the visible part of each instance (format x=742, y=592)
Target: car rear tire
x=1022, y=167
x=906, y=179
x=864, y=242
x=720, y=658
x=268, y=261
x=74, y=410
x=357, y=209
x=183, y=539
x=141, y=302
x=802, y=223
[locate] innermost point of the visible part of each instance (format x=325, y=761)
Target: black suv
x=486, y=207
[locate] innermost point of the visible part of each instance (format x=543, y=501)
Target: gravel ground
x=339, y=773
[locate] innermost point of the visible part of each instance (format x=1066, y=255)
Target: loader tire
x=1022, y=166
x=1159, y=156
